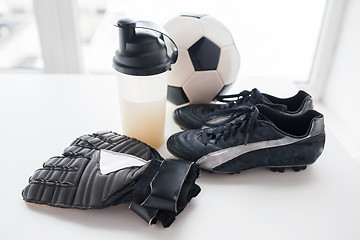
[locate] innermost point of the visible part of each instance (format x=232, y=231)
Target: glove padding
x=84, y=178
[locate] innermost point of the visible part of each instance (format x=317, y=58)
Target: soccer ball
x=208, y=61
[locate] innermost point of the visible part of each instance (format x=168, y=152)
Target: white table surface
x=43, y=114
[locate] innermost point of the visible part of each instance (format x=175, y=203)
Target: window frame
x=325, y=48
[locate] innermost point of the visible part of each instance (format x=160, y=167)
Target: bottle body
x=143, y=106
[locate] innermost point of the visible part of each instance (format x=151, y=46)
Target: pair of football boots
x=249, y=130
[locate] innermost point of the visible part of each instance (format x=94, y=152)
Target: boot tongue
x=259, y=98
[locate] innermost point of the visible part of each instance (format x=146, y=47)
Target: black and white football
x=208, y=60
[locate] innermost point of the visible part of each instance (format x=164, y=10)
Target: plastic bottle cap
x=141, y=52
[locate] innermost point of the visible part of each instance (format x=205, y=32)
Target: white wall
x=342, y=91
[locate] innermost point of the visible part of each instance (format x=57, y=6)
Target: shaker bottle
x=142, y=63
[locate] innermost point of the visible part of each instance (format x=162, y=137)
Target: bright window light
x=275, y=39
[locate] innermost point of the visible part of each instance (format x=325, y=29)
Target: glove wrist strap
x=171, y=187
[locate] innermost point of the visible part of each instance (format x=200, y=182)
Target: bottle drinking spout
x=126, y=31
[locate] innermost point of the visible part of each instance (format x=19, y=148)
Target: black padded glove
x=105, y=169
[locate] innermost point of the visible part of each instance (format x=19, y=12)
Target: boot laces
x=242, y=117
x=253, y=97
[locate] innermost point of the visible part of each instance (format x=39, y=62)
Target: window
x=275, y=39
x=19, y=41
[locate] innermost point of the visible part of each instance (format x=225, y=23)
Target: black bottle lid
x=142, y=49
